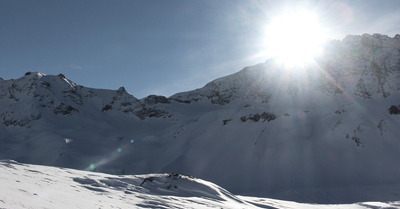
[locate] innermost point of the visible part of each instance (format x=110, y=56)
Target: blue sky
x=159, y=46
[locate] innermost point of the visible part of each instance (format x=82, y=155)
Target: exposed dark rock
x=226, y=121
x=380, y=126
x=394, y=110
x=45, y=84
x=21, y=122
x=172, y=186
x=268, y=116
x=151, y=113
x=166, y=179
x=174, y=176
x=361, y=90
x=106, y=108
x=13, y=97
x=256, y=117
x=61, y=76
x=356, y=140
x=148, y=179
x=220, y=98
x=64, y=109
x=121, y=90
x=124, y=104
x=154, y=99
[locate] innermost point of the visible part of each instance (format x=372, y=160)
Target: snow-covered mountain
x=325, y=133
x=34, y=186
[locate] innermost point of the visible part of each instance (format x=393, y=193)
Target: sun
x=295, y=38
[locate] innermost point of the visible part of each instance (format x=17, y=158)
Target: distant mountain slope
x=364, y=65
x=265, y=131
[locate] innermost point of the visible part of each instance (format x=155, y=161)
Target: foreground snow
x=34, y=186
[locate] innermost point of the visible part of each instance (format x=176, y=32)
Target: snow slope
x=326, y=133
x=34, y=186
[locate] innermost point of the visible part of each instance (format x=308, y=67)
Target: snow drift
x=34, y=186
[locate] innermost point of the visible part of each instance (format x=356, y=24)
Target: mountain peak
x=374, y=40
x=121, y=90
x=365, y=65
x=34, y=74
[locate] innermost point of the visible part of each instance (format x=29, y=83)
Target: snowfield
x=33, y=186
x=323, y=134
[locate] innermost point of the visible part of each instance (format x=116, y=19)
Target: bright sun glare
x=296, y=38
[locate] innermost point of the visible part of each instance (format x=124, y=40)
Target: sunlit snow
x=33, y=186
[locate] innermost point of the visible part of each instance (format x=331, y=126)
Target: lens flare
x=92, y=167
x=295, y=38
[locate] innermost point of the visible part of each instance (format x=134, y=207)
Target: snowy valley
x=327, y=134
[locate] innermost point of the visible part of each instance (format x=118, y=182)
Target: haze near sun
x=295, y=38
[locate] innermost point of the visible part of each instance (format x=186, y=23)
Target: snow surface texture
x=325, y=134
x=34, y=186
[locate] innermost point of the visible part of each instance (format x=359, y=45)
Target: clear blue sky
x=158, y=46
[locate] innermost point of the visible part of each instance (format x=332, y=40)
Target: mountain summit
x=265, y=130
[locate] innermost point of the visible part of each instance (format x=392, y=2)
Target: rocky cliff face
x=266, y=130
x=28, y=98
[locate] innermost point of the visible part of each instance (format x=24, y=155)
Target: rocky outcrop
x=394, y=109
x=154, y=99
x=36, y=93
x=146, y=112
x=64, y=109
x=265, y=116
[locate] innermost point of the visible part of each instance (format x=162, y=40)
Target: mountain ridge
x=331, y=125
